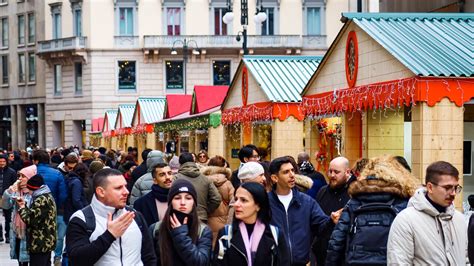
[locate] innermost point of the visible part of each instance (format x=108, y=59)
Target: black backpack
x=369, y=228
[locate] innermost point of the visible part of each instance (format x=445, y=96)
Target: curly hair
x=388, y=169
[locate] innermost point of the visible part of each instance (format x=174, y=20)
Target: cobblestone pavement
x=5, y=250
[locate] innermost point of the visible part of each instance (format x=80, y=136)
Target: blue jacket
x=304, y=220
x=76, y=199
x=55, y=181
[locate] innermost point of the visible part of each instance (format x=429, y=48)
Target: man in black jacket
x=332, y=198
x=248, y=153
x=7, y=178
x=142, y=168
x=120, y=235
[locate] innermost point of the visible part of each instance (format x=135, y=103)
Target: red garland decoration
x=254, y=112
x=389, y=94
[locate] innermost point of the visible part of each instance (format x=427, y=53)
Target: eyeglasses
x=202, y=156
x=450, y=188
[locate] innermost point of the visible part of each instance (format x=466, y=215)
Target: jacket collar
x=296, y=196
x=101, y=209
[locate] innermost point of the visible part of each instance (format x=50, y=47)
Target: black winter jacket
x=337, y=244
x=470, y=237
x=268, y=253
x=7, y=177
x=184, y=251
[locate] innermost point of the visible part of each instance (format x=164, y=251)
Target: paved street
x=5, y=251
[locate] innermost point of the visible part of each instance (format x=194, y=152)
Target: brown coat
x=220, y=176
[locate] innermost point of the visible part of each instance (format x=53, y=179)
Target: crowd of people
x=102, y=207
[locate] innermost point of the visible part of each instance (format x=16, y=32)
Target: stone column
x=287, y=137
x=437, y=134
x=21, y=122
x=384, y=133
x=41, y=125
x=14, y=125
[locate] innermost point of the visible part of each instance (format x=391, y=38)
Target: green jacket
x=40, y=219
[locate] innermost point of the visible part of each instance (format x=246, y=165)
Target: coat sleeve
x=337, y=243
x=79, y=249
x=214, y=198
x=136, y=193
x=62, y=189
x=148, y=252
x=319, y=220
x=35, y=212
x=400, y=244
x=7, y=201
x=76, y=192
x=198, y=254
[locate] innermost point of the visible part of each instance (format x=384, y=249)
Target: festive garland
x=185, y=124
x=388, y=94
x=254, y=112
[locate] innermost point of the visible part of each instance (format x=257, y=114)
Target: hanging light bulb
x=228, y=17
x=262, y=16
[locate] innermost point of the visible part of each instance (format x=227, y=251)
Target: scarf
x=251, y=243
x=161, y=194
x=19, y=227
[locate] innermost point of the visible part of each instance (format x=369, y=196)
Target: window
x=221, y=72
x=127, y=75
x=174, y=75
x=57, y=79
x=31, y=67
x=21, y=29
x=126, y=21
x=78, y=78
x=31, y=28
x=3, y=2
x=56, y=18
x=220, y=28
x=467, y=157
x=77, y=21
x=4, y=69
x=268, y=26
x=21, y=68
x=313, y=17
x=173, y=20
x=4, y=32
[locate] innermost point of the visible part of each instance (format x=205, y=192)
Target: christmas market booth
x=401, y=84
x=95, y=135
x=148, y=110
x=199, y=127
x=262, y=106
x=123, y=126
x=109, y=139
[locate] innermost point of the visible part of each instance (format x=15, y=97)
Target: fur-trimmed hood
x=384, y=175
x=218, y=175
x=303, y=182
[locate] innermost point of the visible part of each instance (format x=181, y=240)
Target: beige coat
x=420, y=235
x=220, y=176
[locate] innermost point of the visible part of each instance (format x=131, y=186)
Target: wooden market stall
x=262, y=105
x=148, y=110
x=399, y=84
x=95, y=135
x=123, y=126
x=108, y=129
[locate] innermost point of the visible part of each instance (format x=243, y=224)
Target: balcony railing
x=63, y=44
x=229, y=41
x=126, y=41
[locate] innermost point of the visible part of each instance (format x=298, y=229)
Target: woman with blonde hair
x=381, y=191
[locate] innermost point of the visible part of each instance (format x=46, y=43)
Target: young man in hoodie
x=40, y=219
x=209, y=198
x=143, y=185
x=430, y=230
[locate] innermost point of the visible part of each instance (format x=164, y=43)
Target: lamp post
x=186, y=45
x=260, y=17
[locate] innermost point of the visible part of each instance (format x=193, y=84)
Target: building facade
x=22, y=88
x=100, y=54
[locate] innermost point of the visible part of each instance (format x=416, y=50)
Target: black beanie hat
x=35, y=182
x=179, y=186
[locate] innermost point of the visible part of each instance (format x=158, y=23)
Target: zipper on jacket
x=245, y=256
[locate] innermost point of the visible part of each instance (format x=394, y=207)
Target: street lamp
x=260, y=16
x=186, y=45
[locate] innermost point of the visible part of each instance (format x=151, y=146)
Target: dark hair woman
x=251, y=240
x=180, y=238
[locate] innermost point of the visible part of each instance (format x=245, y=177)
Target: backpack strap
x=90, y=219
x=202, y=227
x=224, y=241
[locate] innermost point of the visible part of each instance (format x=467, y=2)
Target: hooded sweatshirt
x=208, y=196
x=421, y=235
x=144, y=183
